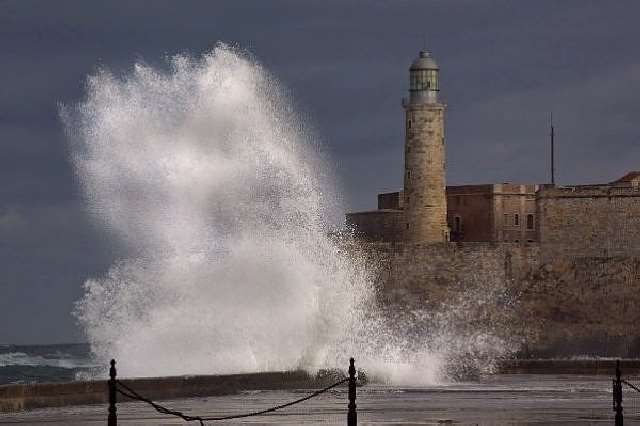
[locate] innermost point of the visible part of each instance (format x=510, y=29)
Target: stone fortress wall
x=575, y=290
x=560, y=305
x=590, y=220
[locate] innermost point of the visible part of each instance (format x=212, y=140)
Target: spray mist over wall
x=207, y=175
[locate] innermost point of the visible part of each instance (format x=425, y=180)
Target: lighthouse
x=425, y=201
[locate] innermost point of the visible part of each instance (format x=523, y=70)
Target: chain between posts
x=116, y=386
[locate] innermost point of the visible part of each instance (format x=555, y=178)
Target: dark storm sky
x=505, y=66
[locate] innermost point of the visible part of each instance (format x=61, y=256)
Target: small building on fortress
x=601, y=218
x=563, y=262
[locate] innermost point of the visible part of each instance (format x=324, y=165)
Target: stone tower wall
x=425, y=202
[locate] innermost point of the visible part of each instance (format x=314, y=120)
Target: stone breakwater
x=15, y=398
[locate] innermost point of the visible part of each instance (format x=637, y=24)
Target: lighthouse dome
x=424, y=62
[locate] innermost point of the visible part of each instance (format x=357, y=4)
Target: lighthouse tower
x=425, y=201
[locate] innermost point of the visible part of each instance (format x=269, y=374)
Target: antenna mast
x=553, y=165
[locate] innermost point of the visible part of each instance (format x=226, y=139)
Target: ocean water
x=22, y=364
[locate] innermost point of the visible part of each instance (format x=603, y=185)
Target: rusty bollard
x=113, y=418
x=352, y=417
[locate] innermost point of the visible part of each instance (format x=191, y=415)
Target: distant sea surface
x=46, y=363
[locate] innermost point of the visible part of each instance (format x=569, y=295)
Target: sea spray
x=207, y=175
x=214, y=186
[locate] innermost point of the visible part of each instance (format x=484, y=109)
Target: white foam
x=205, y=174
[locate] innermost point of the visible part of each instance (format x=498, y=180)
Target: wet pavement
x=502, y=399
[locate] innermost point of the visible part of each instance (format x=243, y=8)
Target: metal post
x=617, y=395
x=113, y=418
x=553, y=154
x=352, y=417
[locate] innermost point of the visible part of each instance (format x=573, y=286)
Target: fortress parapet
x=590, y=220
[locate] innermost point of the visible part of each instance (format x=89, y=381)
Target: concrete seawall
x=15, y=398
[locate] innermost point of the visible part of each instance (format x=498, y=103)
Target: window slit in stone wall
x=516, y=219
x=457, y=224
x=529, y=221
